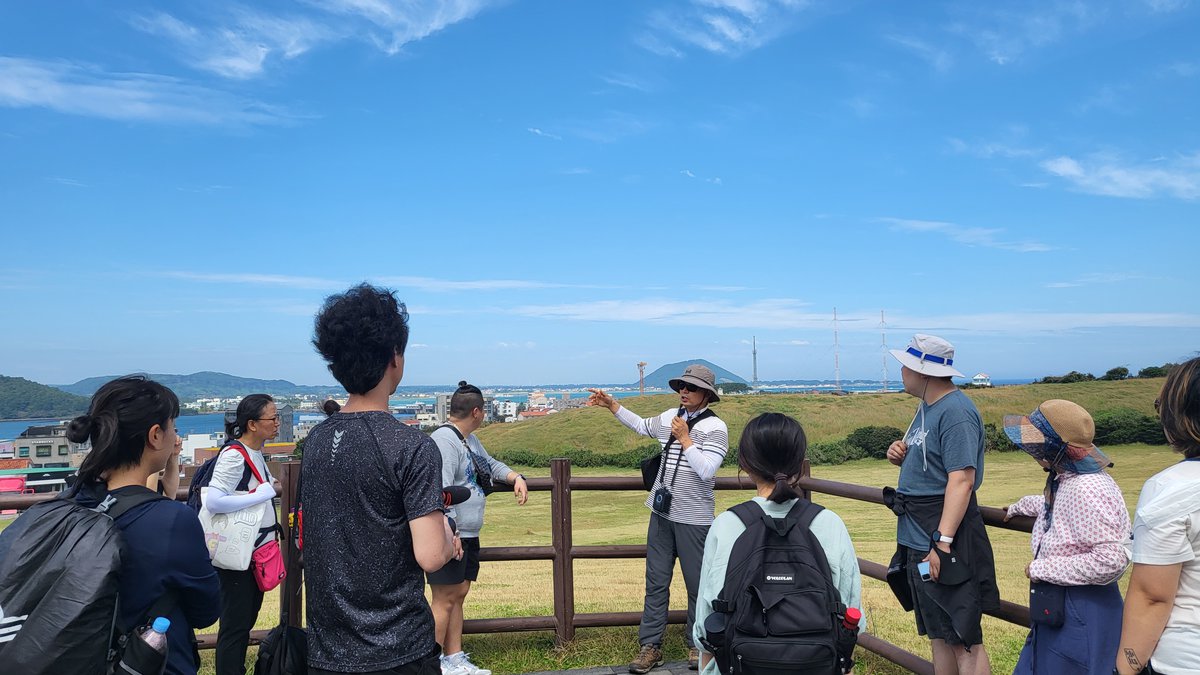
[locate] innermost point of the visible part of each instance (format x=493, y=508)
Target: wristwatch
x=939, y=538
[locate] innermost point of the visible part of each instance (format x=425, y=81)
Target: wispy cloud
x=82, y=89
x=277, y=280
x=240, y=47
x=71, y=182
x=937, y=57
x=238, y=42
x=1094, y=278
x=688, y=173
x=575, y=171
x=969, y=236
x=719, y=26
x=1165, y=6
x=1005, y=35
x=626, y=81
x=714, y=180
x=990, y=149
x=1105, y=175
x=544, y=134
x=774, y=313
x=610, y=127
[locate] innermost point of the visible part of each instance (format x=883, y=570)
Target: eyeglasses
x=274, y=419
x=688, y=387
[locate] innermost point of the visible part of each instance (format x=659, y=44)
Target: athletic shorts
x=931, y=620
x=457, y=571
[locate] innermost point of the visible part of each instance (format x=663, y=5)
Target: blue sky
x=559, y=190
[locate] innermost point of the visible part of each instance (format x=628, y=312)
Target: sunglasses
x=688, y=387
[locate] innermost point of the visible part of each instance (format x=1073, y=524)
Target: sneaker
x=465, y=666
x=649, y=658
x=450, y=667
x=693, y=659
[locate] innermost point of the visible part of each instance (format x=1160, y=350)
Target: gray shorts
x=932, y=621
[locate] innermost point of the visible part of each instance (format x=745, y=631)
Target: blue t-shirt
x=948, y=438
x=164, y=547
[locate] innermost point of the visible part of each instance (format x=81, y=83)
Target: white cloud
x=1093, y=278
x=241, y=43
x=937, y=57
x=82, y=89
x=1005, y=35
x=688, y=173
x=1103, y=175
x=719, y=26
x=544, y=134
x=240, y=47
x=626, y=82
x=576, y=171
x=990, y=149
x=71, y=182
x=278, y=280
x=1164, y=6
x=970, y=236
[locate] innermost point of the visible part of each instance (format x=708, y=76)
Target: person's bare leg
x=445, y=598
x=974, y=662
x=945, y=659
x=454, y=628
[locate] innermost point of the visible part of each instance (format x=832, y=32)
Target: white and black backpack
x=779, y=611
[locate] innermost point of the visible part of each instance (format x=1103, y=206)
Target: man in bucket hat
x=681, y=500
x=1078, y=544
x=939, y=523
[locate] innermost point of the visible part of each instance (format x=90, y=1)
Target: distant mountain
x=662, y=376
x=211, y=385
x=21, y=399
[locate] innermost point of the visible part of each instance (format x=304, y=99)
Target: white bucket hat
x=928, y=355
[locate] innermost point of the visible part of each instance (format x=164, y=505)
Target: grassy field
x=524, y=588
x=824, y=417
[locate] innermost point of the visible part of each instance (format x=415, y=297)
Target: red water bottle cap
x=851, y=619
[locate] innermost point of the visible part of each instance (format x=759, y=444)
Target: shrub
x=995, y=440
x=834, y=452
x=874, y=441
x=1123, y=425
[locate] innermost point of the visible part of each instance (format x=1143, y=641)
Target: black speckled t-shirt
x=366, y=476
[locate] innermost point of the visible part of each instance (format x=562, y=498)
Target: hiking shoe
x=461, y=665
x=649, y=658
x=693, y=659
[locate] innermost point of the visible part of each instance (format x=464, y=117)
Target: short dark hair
x=1179, y=408
x=118, y=422
x=249, y=408
x=465, y=399
x=773, y=447
x=358, y=333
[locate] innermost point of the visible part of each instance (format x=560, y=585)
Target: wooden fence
x=562, y=553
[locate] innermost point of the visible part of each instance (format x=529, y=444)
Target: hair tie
x=237, y=431
x=781, y=477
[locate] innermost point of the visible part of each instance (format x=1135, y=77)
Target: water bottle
x=146, y=652
x=848, y=638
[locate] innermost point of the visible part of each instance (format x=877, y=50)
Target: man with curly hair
x=373, y=510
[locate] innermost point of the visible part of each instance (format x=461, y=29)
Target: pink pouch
x=267, y=564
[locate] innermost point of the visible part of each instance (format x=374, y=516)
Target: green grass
x=524, y=588
x=824, y=417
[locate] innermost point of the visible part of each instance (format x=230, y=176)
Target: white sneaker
x=452, y=667
x=460, y=659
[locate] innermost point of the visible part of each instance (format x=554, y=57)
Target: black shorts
x=430, y=664
x=457, y=571
x=931, y=619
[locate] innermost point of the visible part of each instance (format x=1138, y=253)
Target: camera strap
x=662, y=467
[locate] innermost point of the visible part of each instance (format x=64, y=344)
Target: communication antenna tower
x=883, y=348
x=642, y=377
x=754, y=342
x=837, y=368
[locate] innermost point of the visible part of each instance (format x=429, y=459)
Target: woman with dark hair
x=771, y=451
x=235, y=486
x=131, y=426
x=1161, y=627
x=463, y=456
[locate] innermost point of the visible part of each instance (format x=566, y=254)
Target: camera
x=662, y=501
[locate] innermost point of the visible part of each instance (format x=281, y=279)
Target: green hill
x=663, y=375
x=209, y=385
x=21, y=399
x=825, y=418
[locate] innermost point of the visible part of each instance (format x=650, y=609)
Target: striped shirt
x=692, y=500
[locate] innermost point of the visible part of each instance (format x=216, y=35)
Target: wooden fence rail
x=562, y=553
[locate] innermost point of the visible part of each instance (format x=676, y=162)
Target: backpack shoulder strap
x=802, y=514
x=748, y=512
x=114, y=507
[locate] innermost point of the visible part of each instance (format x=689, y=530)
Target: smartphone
x=923, y=569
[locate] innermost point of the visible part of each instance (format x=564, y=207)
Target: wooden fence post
x=293, y=586
x=805, y=472
x=564, y=564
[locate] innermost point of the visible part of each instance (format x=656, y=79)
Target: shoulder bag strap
x=249, y=462
x=690, y=423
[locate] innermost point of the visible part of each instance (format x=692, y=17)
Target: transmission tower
x=754, y=342
x=837, y=368
x=642, y=377
x=883, y=348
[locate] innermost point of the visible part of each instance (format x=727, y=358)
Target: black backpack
x=203, y=477
x=779, y=611
x=285, y=649
x=59, y=568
